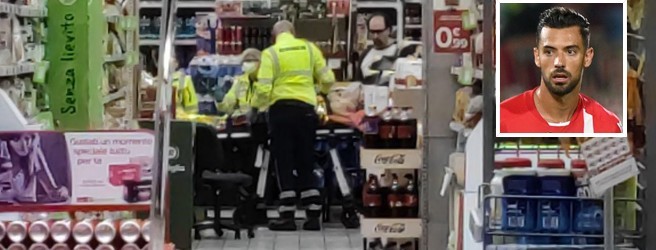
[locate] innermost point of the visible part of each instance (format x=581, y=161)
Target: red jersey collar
x=534, y=110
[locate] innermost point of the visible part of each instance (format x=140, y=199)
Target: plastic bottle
x=406, y=130
x=387, y=130
x=411, y=197
x=371, y=197
x=370, y=130
x=395, y=197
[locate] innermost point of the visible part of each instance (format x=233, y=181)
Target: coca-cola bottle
x=392, y=245
x=410, y=198
x=371, y=197
x=407, y=246
x=376, y=244
x=387, y=130
x=395, y=197
x=406, y=130
x=370, y=129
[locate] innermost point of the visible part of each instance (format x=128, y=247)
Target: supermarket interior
x=326, y=124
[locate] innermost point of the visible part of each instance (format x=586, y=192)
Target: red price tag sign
x=449, y=35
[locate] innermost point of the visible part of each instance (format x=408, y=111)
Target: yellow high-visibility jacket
x=240, y=97
x=289, y=70
x=186, y=101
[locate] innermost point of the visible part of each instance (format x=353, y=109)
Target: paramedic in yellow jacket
x=288, y=73
x=186, y=101
x=240, y=98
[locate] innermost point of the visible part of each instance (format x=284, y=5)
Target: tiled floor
x=333, y=237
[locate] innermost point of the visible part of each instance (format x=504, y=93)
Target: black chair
x=213, y=185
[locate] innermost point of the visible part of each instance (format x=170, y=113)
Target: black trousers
x=293, y=127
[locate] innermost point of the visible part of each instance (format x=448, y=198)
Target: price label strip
x=609, y=163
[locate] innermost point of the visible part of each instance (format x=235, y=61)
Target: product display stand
x=394, y=161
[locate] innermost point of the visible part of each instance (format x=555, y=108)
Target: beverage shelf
x=391, y=228
x=72, y=208
x=391, y=158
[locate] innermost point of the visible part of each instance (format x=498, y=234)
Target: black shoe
x=312, y=224
x=282, y=225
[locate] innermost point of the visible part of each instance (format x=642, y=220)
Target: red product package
x=124, y=172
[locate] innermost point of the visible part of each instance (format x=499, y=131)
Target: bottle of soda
x=406, y=130
x=370, y=129
x=396, y=121
x=387, y=130
x=395, y=198
x=411, y=197
x=371, y=197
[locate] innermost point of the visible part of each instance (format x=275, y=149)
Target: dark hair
x=561, y=17
x=380, y=14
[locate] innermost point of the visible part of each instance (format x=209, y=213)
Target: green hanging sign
x=67, y=52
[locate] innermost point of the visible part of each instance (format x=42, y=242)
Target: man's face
x=561, y=56
x=379, y=33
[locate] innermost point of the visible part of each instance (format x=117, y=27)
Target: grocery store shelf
x=115, y=58
x=179, y=42
x=31, y=11
x=68, y=207
x=113, y=18
x=413, y=26
x=121, y=93
x=181, y=4
x=23, y=10
x=478, y=73
x=16, y=69
x=378, y=5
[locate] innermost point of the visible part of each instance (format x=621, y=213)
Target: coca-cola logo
x=390, y=159
x=390, y=228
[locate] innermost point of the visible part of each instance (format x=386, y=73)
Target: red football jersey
x=519, y=115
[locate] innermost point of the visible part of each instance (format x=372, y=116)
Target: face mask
x=249, y=67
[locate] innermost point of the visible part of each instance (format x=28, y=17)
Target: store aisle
x=333, y=237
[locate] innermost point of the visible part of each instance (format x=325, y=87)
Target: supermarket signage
x=449, y=35
x=387, y=228
x=386, y=159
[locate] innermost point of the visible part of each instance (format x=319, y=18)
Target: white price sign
x=450, y=38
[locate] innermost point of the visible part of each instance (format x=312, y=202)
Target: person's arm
x=230, y=99
x=322, y=72
x=264, y=85
x=189, y=95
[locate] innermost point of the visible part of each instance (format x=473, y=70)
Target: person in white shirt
x=380, y=29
